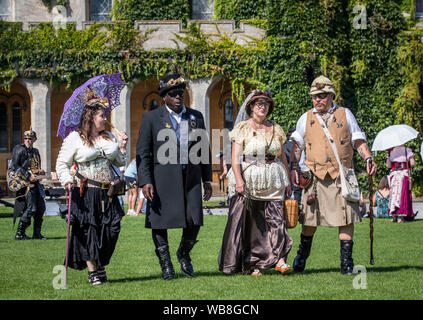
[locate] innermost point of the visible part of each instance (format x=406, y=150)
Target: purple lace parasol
x=104, y=86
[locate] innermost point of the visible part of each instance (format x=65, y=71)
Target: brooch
x=167, y=125
x=192, y=122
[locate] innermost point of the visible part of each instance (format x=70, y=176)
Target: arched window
x=5, y=10
x=154, y=104
x=4, y=138
x=151, y=101
x=419, y=8
x=100, y=10
x=229, y=114
x=202, y=9
x=10, y=122
x=16, y=123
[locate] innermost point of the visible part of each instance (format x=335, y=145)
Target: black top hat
x=170, y=82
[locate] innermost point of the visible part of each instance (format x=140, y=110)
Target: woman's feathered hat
x=92, y=98
x=259, y=94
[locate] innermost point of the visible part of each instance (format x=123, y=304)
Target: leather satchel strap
x=331, y=140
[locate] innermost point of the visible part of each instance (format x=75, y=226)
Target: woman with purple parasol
x=96, y=212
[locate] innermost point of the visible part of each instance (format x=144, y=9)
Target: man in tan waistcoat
x=329, y=207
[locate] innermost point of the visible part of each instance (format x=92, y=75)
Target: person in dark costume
x=96, y=215
x=172, y=186
x=29, y=201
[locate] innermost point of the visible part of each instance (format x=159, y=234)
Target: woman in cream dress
x=256, y=237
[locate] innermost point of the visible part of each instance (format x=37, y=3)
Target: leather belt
x=268, y=158
x=102, y=185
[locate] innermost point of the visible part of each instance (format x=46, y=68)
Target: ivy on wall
x=239, y=9
x=132, y=10
x=377, y=70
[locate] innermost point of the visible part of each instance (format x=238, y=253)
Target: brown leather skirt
x=255, y=236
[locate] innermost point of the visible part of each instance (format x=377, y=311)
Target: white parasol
x=393, y=136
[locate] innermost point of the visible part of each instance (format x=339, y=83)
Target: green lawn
x=134, y=273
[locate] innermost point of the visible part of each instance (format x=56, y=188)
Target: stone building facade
x=34, y=103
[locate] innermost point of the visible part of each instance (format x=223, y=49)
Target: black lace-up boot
x=37, y=230
x=20, y=233
x=165, y=262
x=302, y=253
x=347, y=263
x=184, y=258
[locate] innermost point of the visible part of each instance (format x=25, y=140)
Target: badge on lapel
x=192, y=122
x=167, y=125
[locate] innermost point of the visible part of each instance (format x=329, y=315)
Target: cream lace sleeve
x=280, y=134
x=239, y=133
x=112, y=151
x=65, y=158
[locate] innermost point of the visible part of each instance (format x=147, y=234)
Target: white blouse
x=75, y=151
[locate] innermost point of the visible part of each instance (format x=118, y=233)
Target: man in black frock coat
x=170, y=179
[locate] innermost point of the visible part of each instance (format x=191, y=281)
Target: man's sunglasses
x=30, y=139
x=175, y=93
x=320, y=95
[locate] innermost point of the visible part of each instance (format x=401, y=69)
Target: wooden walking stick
x=372, y=262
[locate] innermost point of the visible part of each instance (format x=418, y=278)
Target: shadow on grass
x=178, y=276
x=48, y=238
x=368, y=269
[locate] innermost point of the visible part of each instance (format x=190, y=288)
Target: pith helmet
x=322, y=85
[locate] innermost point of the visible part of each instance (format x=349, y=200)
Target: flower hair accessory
x=91, y=98
x=172, y=82
x=257, y=92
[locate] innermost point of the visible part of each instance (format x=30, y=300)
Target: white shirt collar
x=173, y=113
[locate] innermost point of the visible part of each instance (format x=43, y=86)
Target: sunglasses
x=175, y=93
x=30, y=139
x=320, y=96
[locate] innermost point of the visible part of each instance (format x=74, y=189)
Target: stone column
x=40, y=93
x=200, y=100
x=121, y=117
